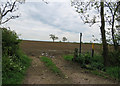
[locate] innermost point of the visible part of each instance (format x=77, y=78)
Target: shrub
x=84, y=59
x=87, y=61
x=75, y=54
x=10, y=42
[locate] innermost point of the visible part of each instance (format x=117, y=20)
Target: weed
x=68, y=57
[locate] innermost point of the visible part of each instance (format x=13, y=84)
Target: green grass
x=68, y=57
x=49, y=63
x=99, y=73
x=13, y=72
x=114, y=72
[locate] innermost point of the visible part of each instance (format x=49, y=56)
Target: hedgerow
x=14, y=61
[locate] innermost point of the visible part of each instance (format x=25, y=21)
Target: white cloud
x=38, y=20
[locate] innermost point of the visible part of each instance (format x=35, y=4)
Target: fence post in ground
x=80, y=43
x=92, y=49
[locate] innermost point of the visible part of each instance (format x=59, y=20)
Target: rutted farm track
x=38, y=73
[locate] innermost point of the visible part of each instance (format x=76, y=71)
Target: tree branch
x=108, y=5
x=117, y=8
x=10, y=10
x=12, y=17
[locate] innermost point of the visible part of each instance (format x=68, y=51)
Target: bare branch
x=117, y=8
x=10, y=10
x=108, y=5
x=45, y=1
x=4, y=8
x=12, y=17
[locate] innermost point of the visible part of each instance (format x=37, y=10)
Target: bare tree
x=113, y=10
x=7, y=10
x=64, y=39
x=53, y=37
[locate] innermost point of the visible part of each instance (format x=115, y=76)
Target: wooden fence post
x=80, y=43
x=92, y=49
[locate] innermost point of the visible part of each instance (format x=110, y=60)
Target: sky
x=38, y=20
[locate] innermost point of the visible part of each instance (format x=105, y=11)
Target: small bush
x=87, y=61
x=10, y=42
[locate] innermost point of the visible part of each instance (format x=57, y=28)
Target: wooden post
x=92, y=49
x=80, y=43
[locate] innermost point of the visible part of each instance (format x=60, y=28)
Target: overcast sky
x=38, y=20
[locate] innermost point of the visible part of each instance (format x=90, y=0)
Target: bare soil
x=37, y=47
x=38, y=73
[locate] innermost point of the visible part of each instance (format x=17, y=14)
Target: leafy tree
x=110, y=13
x=7, y=10
x=64, y=39
x=87, y=9
x=97, y=15
x=53, y=37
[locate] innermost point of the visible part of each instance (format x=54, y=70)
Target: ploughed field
x=36, y=48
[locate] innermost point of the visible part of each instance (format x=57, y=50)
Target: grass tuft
x=49, y=63
x=68, y=57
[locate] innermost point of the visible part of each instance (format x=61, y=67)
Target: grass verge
x=14, y=69
x=49, y=63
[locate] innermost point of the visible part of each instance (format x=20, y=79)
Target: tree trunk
x=113, y=36
x=102, y=28
x=0, y=16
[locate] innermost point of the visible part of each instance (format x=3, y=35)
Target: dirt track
x=39, y=74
